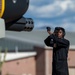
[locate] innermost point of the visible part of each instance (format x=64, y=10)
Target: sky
x=53, y=13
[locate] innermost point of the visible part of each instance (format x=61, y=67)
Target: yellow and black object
x=12, y=11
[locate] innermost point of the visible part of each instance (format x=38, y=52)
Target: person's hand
x=49, y=32
x=54, y=45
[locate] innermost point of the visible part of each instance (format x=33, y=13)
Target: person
x=60, y=51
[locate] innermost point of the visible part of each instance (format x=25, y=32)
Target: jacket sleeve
x=49, y=41
x=60, y=42
x=52, y=39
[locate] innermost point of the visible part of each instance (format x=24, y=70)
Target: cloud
x=57, y=8
x=45, y=11
x=40, y=2
x=69, y=26
x=53, y=13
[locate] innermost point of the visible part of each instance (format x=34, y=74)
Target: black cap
x=56, y=29
x=48, y=28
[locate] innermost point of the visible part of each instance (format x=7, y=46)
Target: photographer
x=60, y=50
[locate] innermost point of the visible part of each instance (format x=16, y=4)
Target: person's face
x=56, y=32
x=60, y=34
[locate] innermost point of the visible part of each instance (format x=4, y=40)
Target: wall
x=24, y=66
x=40, y=61
x=36, y=65
x=44, y=61
x=71, y=58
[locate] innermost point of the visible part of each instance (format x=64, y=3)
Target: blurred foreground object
x=2, y=28
x=12, y=12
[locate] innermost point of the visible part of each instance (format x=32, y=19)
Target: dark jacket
x=60, y=54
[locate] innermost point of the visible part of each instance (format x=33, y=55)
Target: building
x=28, y=55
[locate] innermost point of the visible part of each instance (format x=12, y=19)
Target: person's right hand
x=49, y=32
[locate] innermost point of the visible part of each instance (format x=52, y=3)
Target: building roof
x=27, y=40
x=36, y=37
x=22, y=41
x=15, y=45
x=16, y=55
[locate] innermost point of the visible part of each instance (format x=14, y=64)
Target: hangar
x=28, y=55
